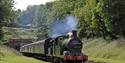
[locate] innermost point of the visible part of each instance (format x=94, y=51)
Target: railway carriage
x=58, y=50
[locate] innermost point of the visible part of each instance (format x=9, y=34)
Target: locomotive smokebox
x=74, y=34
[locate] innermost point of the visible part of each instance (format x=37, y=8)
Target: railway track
x=93, y=62
x=39, y=57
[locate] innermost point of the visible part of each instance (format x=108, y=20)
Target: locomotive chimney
x=74, y=34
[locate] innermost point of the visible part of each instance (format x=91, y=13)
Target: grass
x=107, y=60
x=8, y=55
x=18, y=33
x=18, y=59
x=106, y=50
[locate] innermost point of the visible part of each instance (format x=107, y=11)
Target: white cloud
x=22, y=4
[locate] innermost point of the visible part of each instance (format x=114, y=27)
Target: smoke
x=62, y=27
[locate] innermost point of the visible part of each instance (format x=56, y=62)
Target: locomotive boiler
x=63, y=49
x=73, y=49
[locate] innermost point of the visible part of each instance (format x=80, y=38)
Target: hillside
x=18, y=33
x=106, y=50
x=8, y=55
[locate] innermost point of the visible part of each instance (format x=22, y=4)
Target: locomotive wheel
x=55, y=60
x=68, y=61
x=74, y=62
x=61, y=61
x=81, y=62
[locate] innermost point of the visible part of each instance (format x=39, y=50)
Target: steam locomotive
x=63, y=49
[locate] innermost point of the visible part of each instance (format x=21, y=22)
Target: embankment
x=105, y=50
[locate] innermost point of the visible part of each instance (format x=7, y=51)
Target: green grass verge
x=19, y=59
x=107, y=60
x=106, y=50
x=8, y=55
x=18, y=33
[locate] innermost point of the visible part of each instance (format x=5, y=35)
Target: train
x=62, y=49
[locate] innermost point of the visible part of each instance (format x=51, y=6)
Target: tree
x=6, y=12
x=96, y=18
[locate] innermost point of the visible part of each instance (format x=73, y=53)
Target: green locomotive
x=58, y=50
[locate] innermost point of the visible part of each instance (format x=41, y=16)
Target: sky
x=22, y=4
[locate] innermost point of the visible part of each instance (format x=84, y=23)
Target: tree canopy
x=96, y=18
x=6, y=12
